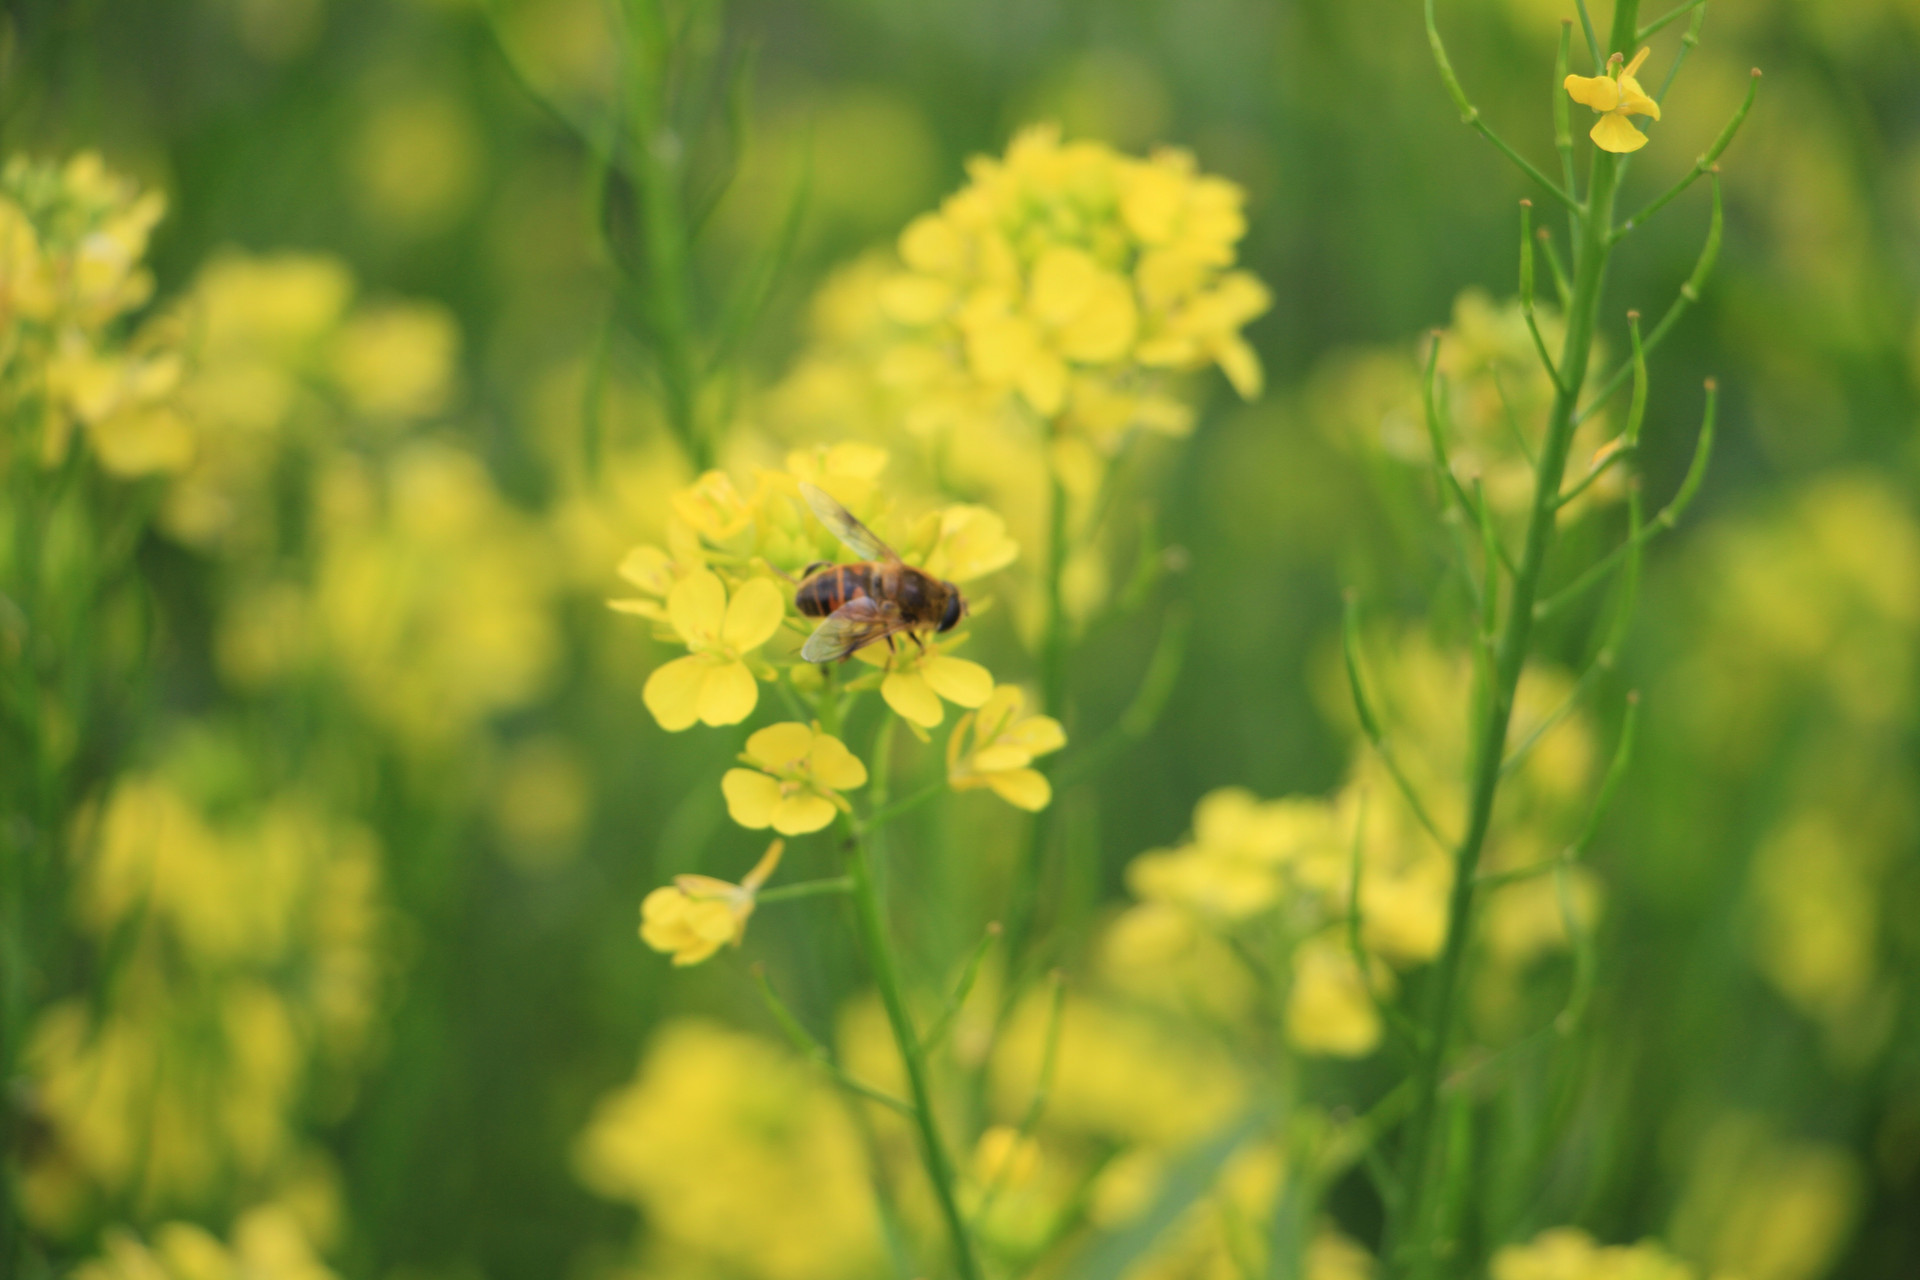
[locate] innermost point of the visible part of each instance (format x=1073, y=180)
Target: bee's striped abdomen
x=832, y=587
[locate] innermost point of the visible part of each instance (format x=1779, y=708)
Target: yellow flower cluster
x=269, y=1243
x=721, y=586
x=1291, y=862
x=279, y=353
x=1493, y=394
x=1568, y=1253
x=253, y=970
x=72, y=240
x=1065, y=280
x=743, y=1160
x=431, y=599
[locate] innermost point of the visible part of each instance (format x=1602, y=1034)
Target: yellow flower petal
x=834, y=766
x=1599, y=92
x=1043, y=382
x=796, y=815
x=1022, y=788
x=728, y=694
x=751, y=797
x=912, y=698
x=649, y=569
x=1063, y=283
x=673, y=692
x=780, y=746
x=931, y=244
x=912, y=299
x=963, y=683
x=1000, y=757
x=1106, y=325
x=1634, y=100
x=1242, y=367
x=697, y=606
x=753, y=615
x=1038, y=734
x=1614, y=132
x=1632, y=69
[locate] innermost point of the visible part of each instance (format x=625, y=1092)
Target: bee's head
x=956, y=608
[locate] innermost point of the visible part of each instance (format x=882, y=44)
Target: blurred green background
x=1762, y=933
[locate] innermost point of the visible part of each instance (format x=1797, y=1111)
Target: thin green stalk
x=1659, y=23
x=933, y=1150
x=937, y=1033
x=1370, y=723
x=805, y=889
x=808, y=1046
x=1413, y=1247
x=1563, y=121
x=1703, y=165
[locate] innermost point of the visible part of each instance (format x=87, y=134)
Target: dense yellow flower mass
x=741, y=1157
x=1568, y=1253
x=1618, y=97
x=1067, y=277
x=255, y=971
x=72, y=241
x=268, y=1243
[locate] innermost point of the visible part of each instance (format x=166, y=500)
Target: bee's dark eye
x=952, y=615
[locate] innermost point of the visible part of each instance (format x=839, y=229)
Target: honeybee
x=876, y=599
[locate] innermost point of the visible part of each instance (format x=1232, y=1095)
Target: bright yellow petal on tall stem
x=751, y=797
x=1022, y=788
x=729, y=693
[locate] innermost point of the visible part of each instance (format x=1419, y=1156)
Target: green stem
x=805, y=889
x=1414, y=1251
x=933, y=1150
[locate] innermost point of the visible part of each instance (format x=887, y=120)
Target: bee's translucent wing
x=856, y=624
x=865, y=543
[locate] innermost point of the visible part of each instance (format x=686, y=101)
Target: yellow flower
x=919, y=678
x=1328, y=1008
x=1616, y=96
x=653, y=571
x=694, y=916
x=795, y=784
x=1005, y=1157
x=1003, y=746
x=713, y=684
x=970, y=542
x=714, y=507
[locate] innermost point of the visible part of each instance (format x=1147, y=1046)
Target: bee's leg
x=917, y=640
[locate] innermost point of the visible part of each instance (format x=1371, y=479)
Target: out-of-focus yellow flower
x=970, y=542
x=1568, y=1253
x=269, y=1243
x=72, y=241
x=1617, y=96
x=695, y=916
x=1328, y=1008
x=713, y=507
x=713, y=684
x=740, y=1155
x=541, y=802
x=396, y=361
x=654, y=571
x=432, y=593
x=795, y=784
x=996, y=746
x=1762, y=1207
x=918, y=678
x=1005, y=1157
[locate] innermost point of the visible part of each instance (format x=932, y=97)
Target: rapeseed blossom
x=1618, y=97
x=1568, y=1253
x=918, y=678
x=795, y=783
x=268, y=1243
x=713, y=683
x=695, y=916
x=72, y=241
x=741, y=1157
x=996, y=746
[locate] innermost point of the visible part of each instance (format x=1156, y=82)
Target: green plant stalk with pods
x=1507, y=588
